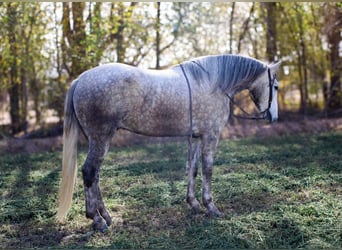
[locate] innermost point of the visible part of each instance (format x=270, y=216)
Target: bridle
x=266, y=112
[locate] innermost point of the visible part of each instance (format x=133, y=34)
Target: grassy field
x=281, y=192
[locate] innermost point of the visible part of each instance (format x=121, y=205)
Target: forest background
x=44, y=46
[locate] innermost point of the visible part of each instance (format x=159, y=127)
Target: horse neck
x=232, y=87
x=228, y=73
x=232, y=74
x=237, y=87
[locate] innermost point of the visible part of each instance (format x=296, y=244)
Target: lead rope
x=190, y=115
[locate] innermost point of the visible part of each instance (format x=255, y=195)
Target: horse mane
x=227, y=72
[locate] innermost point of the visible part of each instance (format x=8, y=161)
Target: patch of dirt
x=239, y=130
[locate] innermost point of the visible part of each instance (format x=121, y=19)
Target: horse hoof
x=214, y=214
x=100, y=226
x=107, y=218
x=195, y=209
x=108, y=221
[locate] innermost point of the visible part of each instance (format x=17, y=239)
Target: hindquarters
x=99, y=105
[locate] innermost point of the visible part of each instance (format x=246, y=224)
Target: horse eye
x=276, y=88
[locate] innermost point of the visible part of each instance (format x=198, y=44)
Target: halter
x=263, y=113
x=249, y=116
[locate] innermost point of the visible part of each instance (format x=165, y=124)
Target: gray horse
x=158, y=103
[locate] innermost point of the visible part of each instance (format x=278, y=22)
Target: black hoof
x=100, y=225
x=108, y=219
x=195, y=210
x=214, y=214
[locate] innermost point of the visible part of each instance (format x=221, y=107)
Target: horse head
x=264, y=91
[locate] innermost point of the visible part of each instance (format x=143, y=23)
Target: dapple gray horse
x=158, y=103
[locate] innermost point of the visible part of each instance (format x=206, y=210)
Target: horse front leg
x=95, y=208
x=208, y=151
x=191, y=171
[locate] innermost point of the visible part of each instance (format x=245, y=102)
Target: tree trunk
x=123, y=15
x=302, y=61
x=79, y=60
x=66, y=37
x=158, y=37
x=245, y=28
x=75, y=36
x=231, y=28
x=18, y=122
x=271, y=35
x=334, y=39
x=95, y=23
x=120, y=40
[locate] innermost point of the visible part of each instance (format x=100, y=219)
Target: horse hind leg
x=95, y=208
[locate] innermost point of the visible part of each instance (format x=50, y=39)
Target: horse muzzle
x=268, y=116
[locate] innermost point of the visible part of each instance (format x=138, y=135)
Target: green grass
x=281, y=192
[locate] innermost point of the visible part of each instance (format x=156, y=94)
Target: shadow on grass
x=30, y=184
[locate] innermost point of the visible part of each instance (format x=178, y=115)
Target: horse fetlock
x=89, y=215
x=194, y=205
x=207, y=199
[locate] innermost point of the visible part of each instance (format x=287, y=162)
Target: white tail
x=69, y=168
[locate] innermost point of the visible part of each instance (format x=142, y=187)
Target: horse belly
x=157, y=117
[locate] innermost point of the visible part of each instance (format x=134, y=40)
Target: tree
x=294, y=27
x=120, y=19
x=14, y=90
x=231, y=28
x=22, y=32
x=245, y=28
x=270, y=10
x=158, y=52
x=176, y=21
x=302, y=58
x=73, y=47
x=333, y=28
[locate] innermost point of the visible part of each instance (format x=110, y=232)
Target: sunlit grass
x=281, y=192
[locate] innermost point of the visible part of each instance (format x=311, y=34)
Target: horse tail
x=70, y=137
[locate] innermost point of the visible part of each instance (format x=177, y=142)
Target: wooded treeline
x=46, y=45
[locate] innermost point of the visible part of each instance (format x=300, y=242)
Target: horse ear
x=274, y=67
